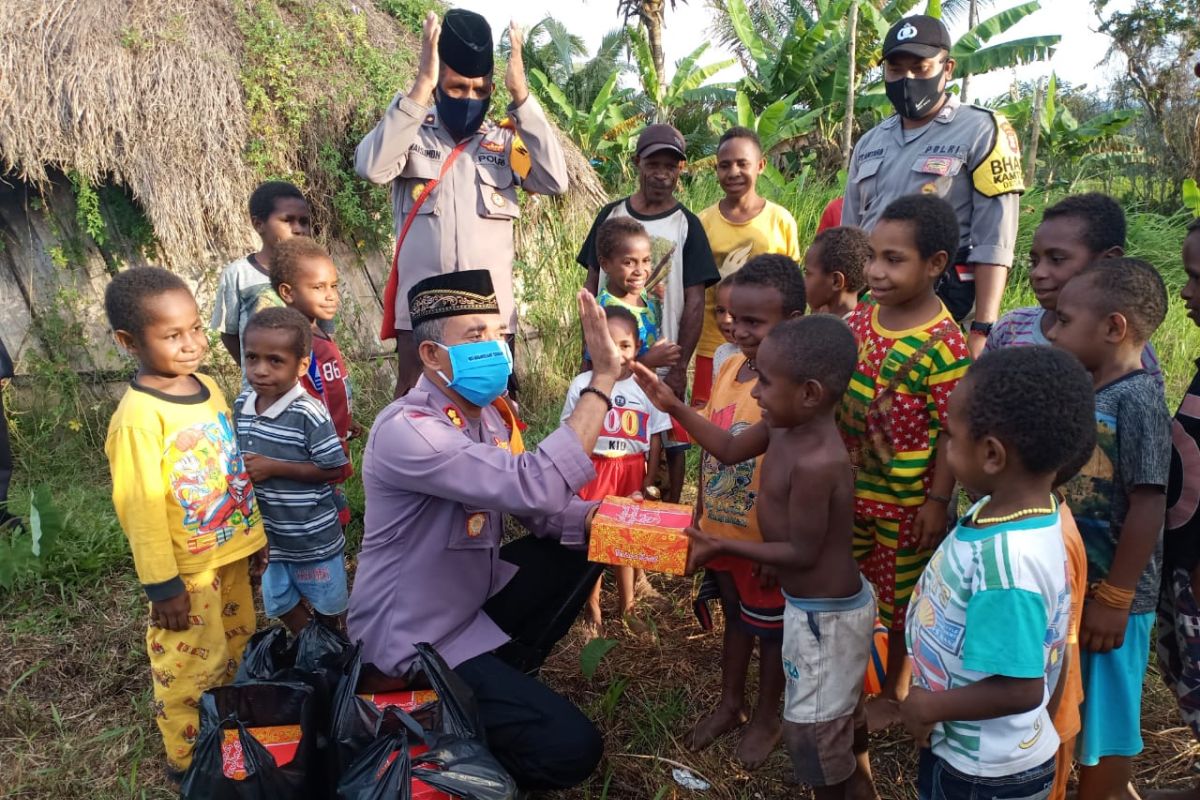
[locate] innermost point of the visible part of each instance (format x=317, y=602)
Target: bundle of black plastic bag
x=254, y=705
x=457, y=761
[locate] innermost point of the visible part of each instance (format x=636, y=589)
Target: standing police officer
x=454, y=175
x=935, y=144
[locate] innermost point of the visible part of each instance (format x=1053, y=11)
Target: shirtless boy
x=806, y=502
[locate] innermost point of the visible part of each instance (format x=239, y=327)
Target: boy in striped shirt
x=911, y=354
x=292, y=453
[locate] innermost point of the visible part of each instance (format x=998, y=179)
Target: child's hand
x=914, y=715
x=258, y=563
x=768, y=576
x=659, y=393
x=260, y=468
x=171, y=613
x=929, y=526
x=660, y=290
x=662, y=353
x=704, y=548
x=355, y=431
x=1102, y=627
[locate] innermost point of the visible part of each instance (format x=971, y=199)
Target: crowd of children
x=836, y=447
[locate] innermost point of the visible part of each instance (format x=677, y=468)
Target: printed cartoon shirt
x=328, y=380
x=730, y=491
x=1133, y=448
x=891, y=413
x=1023, y=326
x=180, y=486
x=993, y=601
x=648, y=316
x=1181, y=541
x=631, y=422
x=772, y=230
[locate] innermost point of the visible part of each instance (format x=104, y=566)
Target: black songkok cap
x=466, y=43
x=452, y=295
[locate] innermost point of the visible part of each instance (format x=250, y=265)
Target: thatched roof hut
x=179, y=109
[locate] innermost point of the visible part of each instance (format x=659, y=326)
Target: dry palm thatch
x=161, y=97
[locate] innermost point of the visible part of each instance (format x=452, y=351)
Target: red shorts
x=760, y=611
x=619, y=475
x=702, y=381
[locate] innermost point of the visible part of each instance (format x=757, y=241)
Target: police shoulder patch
x=1000, y=171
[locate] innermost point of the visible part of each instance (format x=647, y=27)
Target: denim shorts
x=937, y=780
x=321, y=583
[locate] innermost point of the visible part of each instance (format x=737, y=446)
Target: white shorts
x=826, y=648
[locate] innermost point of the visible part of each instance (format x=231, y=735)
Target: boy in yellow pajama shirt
x=184, y=500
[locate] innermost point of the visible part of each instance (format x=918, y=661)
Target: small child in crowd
x=292, y=453
x=724, y=321
x=278, y=211
x=629, y=438
x=806, y=516
x=987, y=627
x=184, y=500
x=1074, y=232
x=766, y=291
x=1179, y=600
x=833, y=270
x=623, y=247
x=739, y=226
x=911, y=354
x=1104, y=316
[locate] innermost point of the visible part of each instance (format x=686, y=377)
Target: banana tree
x=688, y=87
x=601, y=130
x=1070, y=151
x=778, y=127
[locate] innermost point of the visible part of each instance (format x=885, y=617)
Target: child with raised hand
x=987, y=626
x=766, y=291
x=278, y=211
x=1074, y=232
x=184, y=501
x=623, y=247
x=911, y=354
x=833, y=270
x=292, y=453
x=1104, y=316
x=806, y=505
x=627, y=453
x=1179, y=600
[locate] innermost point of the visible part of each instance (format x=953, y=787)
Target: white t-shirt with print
x=631, y=422
x=993, y=601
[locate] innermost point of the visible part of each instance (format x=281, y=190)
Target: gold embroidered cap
x=451, y=295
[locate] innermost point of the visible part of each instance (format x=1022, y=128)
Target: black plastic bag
x=383, y=771
x=464, y=768
x=267, y=653
x=319, y=647
x=458, y=713
x=253, y=705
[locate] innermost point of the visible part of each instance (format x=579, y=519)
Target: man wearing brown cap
x=677, y=237
x=455, y=175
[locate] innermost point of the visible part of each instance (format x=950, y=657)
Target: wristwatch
x=982, y=328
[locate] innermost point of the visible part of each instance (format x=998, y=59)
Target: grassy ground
x=74, y=688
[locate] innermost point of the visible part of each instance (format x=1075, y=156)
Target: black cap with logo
x=919, y=35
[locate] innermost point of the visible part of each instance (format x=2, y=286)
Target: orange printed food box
x=408, y=701
x=643, y=534
x=281, y=742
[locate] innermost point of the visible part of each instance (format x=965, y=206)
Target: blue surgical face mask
x=461, y=116
x=481, y=370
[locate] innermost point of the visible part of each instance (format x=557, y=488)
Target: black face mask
x=913, y=98
x=461, y=116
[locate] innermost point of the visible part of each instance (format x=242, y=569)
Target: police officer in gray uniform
x=454, y=175
x=934, y=144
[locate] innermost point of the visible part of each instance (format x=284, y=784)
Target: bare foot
x=644, y=590
x=714, y=725
x=882, y=713
x=634, y=624
x=758, y=742
x=591, y=629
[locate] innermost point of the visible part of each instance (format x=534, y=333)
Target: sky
x=1078, y=58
